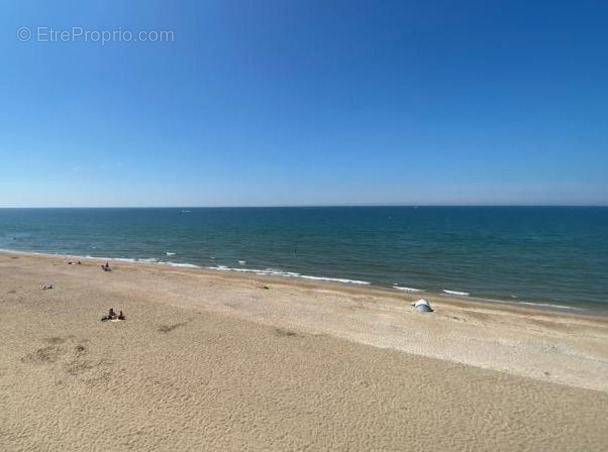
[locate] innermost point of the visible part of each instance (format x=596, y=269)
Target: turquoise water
x=528, y=254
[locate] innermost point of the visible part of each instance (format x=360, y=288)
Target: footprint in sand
x=169, y=328
x=44, y=355
x=284, y=333
x=54, y=340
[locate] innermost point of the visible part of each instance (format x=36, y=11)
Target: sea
x=555, y=257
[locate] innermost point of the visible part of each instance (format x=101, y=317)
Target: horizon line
x=305, y=206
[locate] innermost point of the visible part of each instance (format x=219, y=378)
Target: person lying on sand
x=47, y=287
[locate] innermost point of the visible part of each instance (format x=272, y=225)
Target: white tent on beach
x=422, y=306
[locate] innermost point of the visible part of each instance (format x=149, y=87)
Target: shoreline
x=445, y=294
x=319, y=307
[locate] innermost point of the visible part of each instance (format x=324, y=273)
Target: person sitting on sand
x=111, y=315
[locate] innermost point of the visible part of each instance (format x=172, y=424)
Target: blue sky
x=315, y=102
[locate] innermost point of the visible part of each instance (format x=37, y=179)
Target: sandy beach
x=221, y=361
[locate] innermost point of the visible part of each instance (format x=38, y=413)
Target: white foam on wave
x=549, y=305
x=128, y=259
x=242, y=262
x=456, y=292
x=406, y=289
x=150, y=260
x=169, y=253
x=179, y=264
x=267, y=272
x=275, y=272
x=340, y=280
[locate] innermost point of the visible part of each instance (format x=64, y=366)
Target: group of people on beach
x=113, y=316
x=106, y=267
